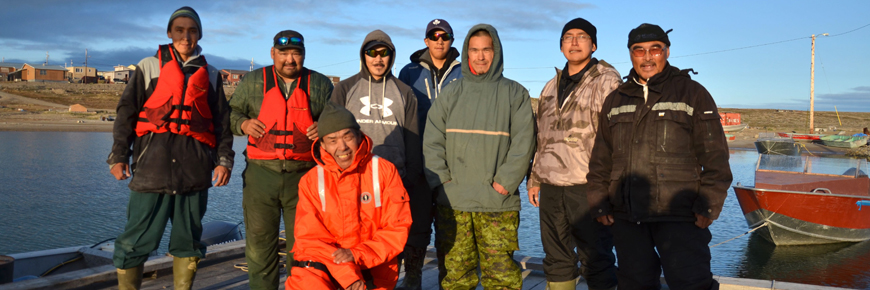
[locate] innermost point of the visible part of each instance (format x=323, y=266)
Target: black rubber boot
x=413, y=263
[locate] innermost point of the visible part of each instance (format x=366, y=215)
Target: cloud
x=855, y=100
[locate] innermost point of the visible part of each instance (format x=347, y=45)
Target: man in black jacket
x=659, y=171
x=175, y=116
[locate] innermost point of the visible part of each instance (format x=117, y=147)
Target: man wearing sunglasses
x=275, y=106
x=478, y=145
x=385, y=107
x=567, y=121
x=174, y=116
x=431, y=69
x=659, y=170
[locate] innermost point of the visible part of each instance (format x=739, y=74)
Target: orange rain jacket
x=350, y=218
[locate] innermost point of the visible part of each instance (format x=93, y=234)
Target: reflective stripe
x=621, y=109
x=321, y=188
x=375, y=181
x=674, y=106
x=482, y=132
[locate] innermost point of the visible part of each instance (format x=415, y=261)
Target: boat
x=801, y=136
x=730, y=137
x=33, y=265
x=731, y=122
x=779, y=146
x=791, y=205
x=844, y=141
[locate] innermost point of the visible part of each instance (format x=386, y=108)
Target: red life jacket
x=286, y=120
x=175, y=107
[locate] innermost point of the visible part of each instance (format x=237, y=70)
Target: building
x=6, y=70
x=42, y=73
x=78, y=72
x=77, y=108
x=334, y=79
x=232, y=77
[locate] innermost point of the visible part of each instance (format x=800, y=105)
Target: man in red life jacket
x=353, y=215
x=275, y=106
x=175, y=116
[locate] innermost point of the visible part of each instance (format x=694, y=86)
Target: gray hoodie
x=386, y=111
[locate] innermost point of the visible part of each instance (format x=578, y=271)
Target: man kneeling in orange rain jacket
x=352, y=218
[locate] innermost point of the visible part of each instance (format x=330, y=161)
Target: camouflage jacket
x=566, y=135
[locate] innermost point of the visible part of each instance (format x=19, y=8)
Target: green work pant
x=147, y=214
x=266, y=196
x=465, y=240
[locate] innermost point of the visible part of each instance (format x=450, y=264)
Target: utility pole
x=813, y=82
x=86, y=68
x=252, y=64
x=46, y=59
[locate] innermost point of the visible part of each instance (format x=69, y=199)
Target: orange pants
x=313, y=279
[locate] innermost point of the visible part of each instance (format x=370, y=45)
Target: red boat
x=801, y=207
x=801, y=136
x=731, y=122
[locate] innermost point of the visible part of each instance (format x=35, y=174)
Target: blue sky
x=708, y=37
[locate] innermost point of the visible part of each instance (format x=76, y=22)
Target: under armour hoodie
x=386, y=110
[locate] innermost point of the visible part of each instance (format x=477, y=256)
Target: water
x=57, y=192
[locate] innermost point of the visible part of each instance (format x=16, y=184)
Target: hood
x=381, y=36
x=422, y=56
x=497, y=67
x=325, y=159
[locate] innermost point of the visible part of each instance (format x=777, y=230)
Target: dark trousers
x=421, y=213
x=565, y=225
x=683, y=253
x=266, y=197
x=147, y=214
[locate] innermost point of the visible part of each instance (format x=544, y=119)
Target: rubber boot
x=131, y=278
x=414, y=258
x=565, y=285
x=183, y=272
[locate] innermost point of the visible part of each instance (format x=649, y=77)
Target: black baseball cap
x=289, y=39
x=436, y=24
x=648, y=32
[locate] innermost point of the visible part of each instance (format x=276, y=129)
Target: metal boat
x=844, y=141
x=32, y=265
x=791, y=204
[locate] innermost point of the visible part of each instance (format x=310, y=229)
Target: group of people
x=358, y=171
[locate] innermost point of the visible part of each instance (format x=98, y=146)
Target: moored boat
x=801, y=136
x=800, y=207
x=844, y=141
x=731, y=122
x=778, y=146
x=33, y=265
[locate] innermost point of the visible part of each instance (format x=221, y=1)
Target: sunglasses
x=640, y=51
x=444, y=36
x=288, y=40
x=376, y=53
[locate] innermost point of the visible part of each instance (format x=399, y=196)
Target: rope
x=808, y=150
x=746, y=233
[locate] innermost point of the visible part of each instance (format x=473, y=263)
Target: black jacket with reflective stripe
x=660, y=160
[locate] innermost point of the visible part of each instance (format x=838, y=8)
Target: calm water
x=56, y=192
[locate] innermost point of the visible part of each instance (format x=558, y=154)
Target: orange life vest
x=286, y=120
x=177, y=106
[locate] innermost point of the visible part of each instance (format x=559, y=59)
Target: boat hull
x=779, y=147
x=804, y=218
x=733, y=128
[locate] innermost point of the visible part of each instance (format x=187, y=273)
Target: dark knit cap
x=335, y=118
x=185, y=11
x=581, y=24
x=648, y=32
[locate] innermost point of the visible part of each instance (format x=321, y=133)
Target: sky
x=748, y=54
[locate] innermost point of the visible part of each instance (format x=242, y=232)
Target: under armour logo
x=368, y=106
x=436, y=22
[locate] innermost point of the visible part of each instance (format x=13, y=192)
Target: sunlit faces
x=342, y=145
x=649, y=58
x=480, y=52
x=185, y=35
x=288, y=62
x=438, y=42
x=377, y=64
x=577, y=46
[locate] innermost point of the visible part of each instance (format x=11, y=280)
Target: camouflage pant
x=465, y=240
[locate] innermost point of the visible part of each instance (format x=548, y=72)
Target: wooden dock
x=218, y=272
